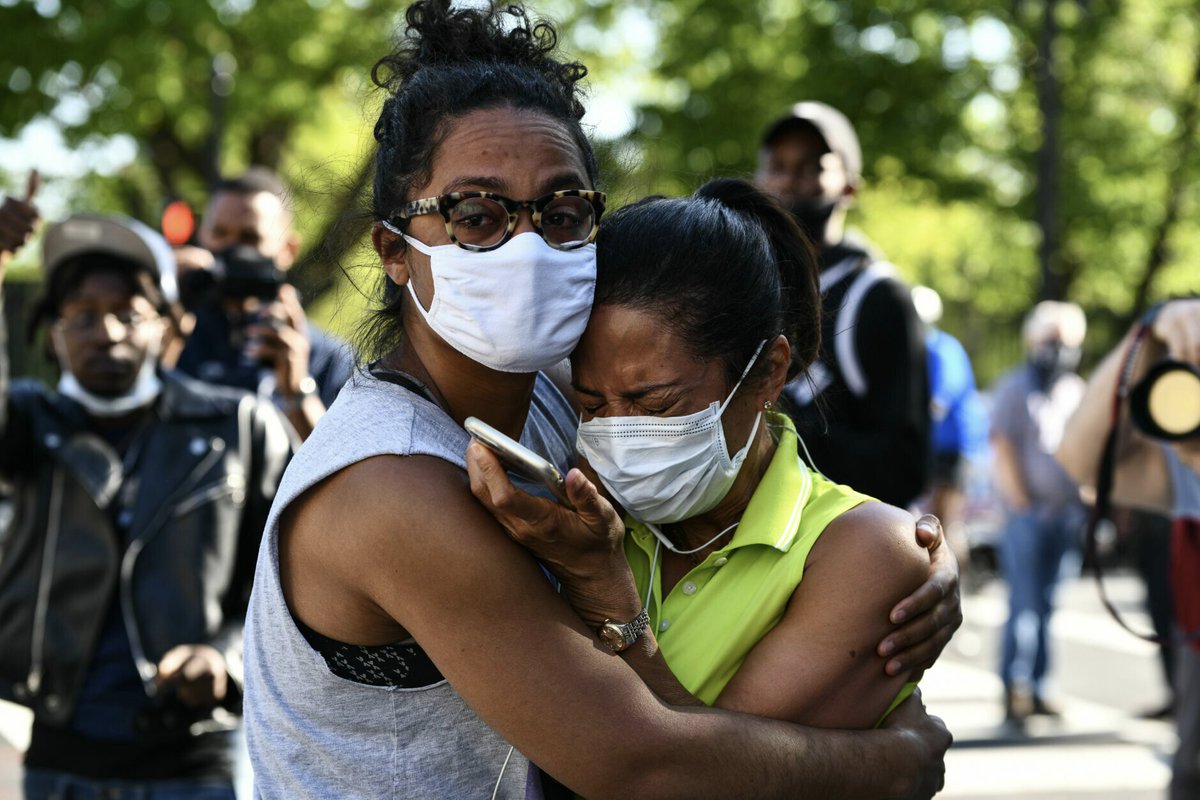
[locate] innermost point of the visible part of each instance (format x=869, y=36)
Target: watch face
x=613, y=636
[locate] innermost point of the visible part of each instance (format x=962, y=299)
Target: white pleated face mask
x=666, y=469
x=145, y=389
x=519, y=308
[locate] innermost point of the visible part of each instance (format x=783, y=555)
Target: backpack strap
x=870, y=273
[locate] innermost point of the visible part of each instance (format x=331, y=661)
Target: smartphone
x=518, y=458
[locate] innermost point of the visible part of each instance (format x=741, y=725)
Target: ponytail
x=724, y=269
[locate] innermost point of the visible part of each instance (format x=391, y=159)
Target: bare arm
x=817, y=667
x=1139, y=477
x=428, y=555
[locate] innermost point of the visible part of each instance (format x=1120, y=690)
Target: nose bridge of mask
x=705, y=420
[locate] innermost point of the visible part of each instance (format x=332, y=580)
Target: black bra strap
x=402, y=379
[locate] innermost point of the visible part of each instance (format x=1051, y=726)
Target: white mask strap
x=417, y=243
x=667, y=543
x=745, y=372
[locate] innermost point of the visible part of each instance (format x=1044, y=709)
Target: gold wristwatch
x=620, y=636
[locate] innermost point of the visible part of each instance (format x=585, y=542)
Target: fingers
x=916, y=646
x=520, y=513
x=188, y=258
x=18, y=218
x=32, y=184
x=929, y=532
x=936, y=614
x=289, y=306
x=486, y=476
x=196, y=673
x=1178, y=327
x=586, y=498
x=929, y=739
x=275, y=341
x=170, y=664
x=942, y=583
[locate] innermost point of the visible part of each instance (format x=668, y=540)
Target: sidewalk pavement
x=14, y=738
x=1092, y=751
x=1095, y=751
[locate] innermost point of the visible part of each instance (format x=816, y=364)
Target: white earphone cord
x=504, y=766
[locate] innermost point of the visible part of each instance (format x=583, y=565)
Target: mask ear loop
x=653, y=569
x=745, y=372
x=809, y=459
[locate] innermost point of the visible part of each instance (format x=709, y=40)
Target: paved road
x=1099, y=750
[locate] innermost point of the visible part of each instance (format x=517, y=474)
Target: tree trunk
x=1053, y=281
x=1177, y=181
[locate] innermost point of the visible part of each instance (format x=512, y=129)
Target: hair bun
x=735, y=194
x=438, y=35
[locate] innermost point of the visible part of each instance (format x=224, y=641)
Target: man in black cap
x=863, y=407
x=140, y=498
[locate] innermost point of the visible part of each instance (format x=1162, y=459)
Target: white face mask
x=145, y=390
x=519, y=308
x=664, y=470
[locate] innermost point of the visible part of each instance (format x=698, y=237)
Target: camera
x=1165, y=404
x=237, y=273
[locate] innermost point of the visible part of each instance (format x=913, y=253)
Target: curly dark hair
x=725, y=269
x=449, y=63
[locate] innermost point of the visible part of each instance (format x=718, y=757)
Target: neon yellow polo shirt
x=716, y=614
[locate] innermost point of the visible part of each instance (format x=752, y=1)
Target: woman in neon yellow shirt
x=761, y=586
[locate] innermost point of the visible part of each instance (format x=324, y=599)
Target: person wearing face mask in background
x=139, y=501
x=863, y=405
x=763, y=582
x=1030, y=408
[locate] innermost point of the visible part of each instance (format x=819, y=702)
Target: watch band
x=620, y=636
x=308, y=388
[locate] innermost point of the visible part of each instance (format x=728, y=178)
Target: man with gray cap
x=862, y=408
x=139, y=501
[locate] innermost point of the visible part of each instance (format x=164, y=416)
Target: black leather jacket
x=207, y=472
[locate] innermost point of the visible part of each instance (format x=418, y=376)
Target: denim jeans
x=1035, y=550
x=48, y=785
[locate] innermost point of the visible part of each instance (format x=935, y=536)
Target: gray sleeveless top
x=312, y=734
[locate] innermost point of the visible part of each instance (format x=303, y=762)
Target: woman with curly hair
x=399, y=644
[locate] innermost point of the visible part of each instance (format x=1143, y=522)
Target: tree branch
x=1177, y=181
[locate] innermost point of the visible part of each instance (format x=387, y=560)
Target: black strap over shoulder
x=402, y=379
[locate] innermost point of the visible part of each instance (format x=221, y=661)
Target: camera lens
x=1166, y=403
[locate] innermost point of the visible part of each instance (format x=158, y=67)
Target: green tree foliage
x=947, y=107
x=945, y=98
x=203, y=87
